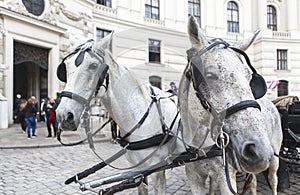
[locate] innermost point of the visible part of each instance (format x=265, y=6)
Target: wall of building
x=64, y=24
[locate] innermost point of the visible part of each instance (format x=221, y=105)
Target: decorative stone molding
x=48, y=15
x=150, y=21
x=104, y=10
x=281, y=35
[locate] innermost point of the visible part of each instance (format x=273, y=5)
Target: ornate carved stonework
x=45, y=14
x=35, y=7
x=23, y=53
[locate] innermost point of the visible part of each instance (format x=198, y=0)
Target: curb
x=50, y=145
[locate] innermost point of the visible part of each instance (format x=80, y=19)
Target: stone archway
x=30, y=71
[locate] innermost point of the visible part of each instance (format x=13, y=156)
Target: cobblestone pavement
x=43, y=170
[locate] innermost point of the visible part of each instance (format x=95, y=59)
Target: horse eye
x=93, y=66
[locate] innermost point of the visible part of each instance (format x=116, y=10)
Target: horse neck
x=126, y=100
x=195, y=118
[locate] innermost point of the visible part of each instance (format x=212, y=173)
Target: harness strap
x=141, y=121
x=74, y=96
x=146, y=143
x=240, y=106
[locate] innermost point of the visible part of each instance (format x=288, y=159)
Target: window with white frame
x=155, y=81
x=232, y=17
x=152, y=9
x=106, y=3
x=271, y=18
x=283, y=88
x=154, y=51
x=194, y=9
x=101, y=33
x=282, y=59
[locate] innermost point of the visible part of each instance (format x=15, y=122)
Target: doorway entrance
x=30, y=71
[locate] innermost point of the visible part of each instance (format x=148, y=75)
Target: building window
x=194, y=9
x=152, y=9
x=232, y=17
x=154, y=51
x=106, y=3
x=282, y=59
x=101, y=33
x=272, y=18
x=283, y=88
x=155, y=81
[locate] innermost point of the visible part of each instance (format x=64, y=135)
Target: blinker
x=61, y=72
x=79, y=58
x=258, y=85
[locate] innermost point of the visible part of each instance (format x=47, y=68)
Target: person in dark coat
x=16, y=107
x=20, y=114
x=30, y=117
x=49, y=108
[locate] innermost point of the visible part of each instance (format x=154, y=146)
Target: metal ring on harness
x=222, y=136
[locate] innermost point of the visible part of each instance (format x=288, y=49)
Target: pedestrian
x=50, y=107
x=43, y=113
x=114, y=131
x=20, y=114
x=30, y=117
x=173, y=89
x=36, y=104
x=16, y=106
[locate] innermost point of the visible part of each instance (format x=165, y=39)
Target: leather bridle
x=104, y=75
x=195, y=73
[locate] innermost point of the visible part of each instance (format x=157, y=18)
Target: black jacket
x=30, y=110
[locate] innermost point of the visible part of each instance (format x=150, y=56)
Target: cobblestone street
x=41, y=166
x=44, y=170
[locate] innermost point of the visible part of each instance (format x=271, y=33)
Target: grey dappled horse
x=214, y=95
x=86, y=70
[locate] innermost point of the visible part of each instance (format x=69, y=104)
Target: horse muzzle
x=67, y=122
x=253, y=157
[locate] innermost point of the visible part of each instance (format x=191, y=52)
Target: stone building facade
x=150, y=38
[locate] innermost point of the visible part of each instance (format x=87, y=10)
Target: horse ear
x=197, y=39
x=244, y=44
x=106, y=42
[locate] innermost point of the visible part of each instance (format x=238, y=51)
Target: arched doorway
x=30, y=75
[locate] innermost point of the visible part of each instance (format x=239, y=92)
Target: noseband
x=61, y=71
x=195, y=73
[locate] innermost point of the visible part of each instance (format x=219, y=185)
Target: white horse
x=126, y=100
x=215, y=89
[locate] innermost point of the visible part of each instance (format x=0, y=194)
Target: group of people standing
x=26, y=112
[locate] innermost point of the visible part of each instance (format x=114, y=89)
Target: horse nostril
x=249, y=151
x=70, y=117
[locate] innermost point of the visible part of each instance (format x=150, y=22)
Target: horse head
x=218, y=93
x=84, y=71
